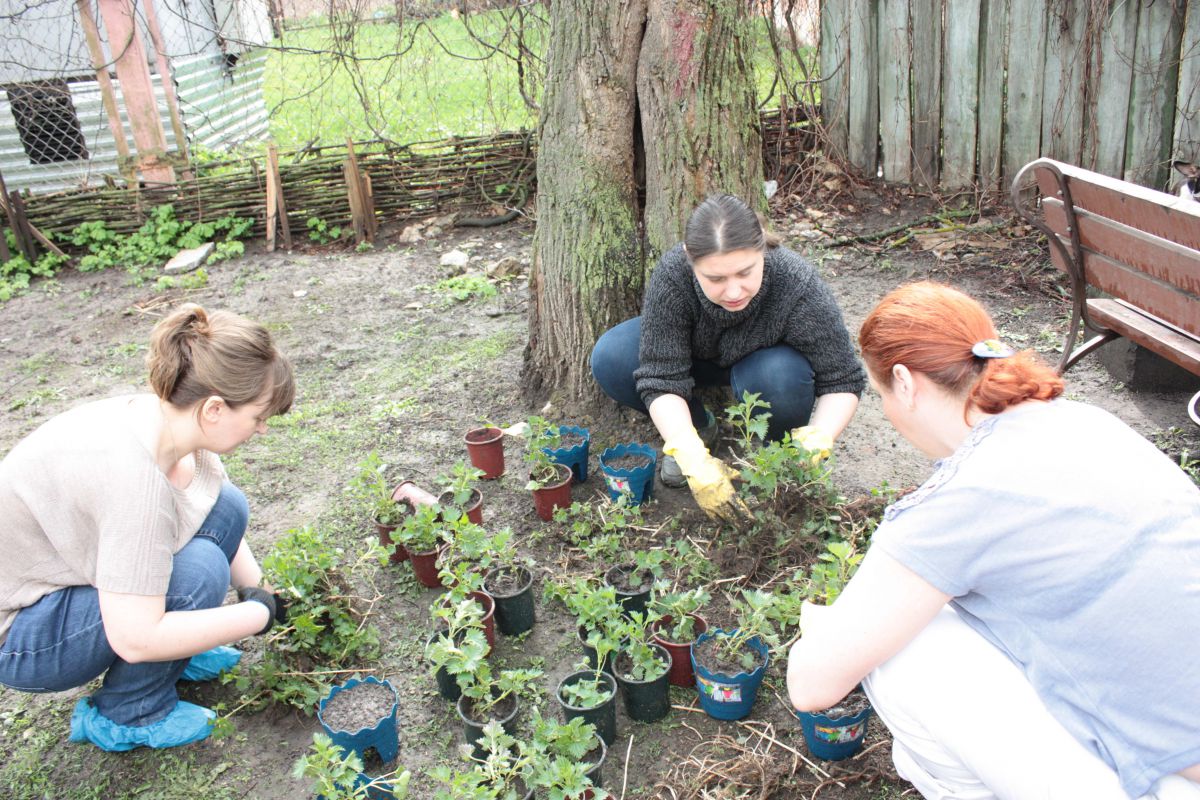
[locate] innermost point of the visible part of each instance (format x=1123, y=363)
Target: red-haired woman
x=1027, y=623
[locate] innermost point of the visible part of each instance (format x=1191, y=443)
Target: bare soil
x=629, y=461
x=384, y=362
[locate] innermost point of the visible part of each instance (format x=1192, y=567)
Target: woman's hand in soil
x=709, y=478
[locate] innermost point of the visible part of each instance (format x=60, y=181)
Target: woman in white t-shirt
x=1027, y=622
x=122, y=536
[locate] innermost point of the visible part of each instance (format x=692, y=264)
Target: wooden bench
x=1139, y=247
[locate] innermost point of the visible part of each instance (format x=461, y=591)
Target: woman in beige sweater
x=122, y=535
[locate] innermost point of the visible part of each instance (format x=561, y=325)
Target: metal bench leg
x=1194, y=408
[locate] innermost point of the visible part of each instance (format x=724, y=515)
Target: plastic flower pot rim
x=347, y=686
x=559, y=480
x=525, y=575
x=660, y=626
x=483, y=435
x=627, y=449
x=761, y=648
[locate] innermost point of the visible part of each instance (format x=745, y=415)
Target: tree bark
x=673, y=74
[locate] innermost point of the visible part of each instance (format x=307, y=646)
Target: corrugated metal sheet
x=220, y=108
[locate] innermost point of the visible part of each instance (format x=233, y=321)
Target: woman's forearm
x=833, y=412
x=139, y=629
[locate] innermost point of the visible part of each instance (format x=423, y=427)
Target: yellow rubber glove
x=709, y=478
x=815, y=441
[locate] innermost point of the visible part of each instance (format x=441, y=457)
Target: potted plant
x=597, y=612
x=488, y=696
x=590, y=693
x=549, y=481
x=837, y=732
x=575, y=740
x=361, y=714
x=485, y=447
x=643, y=672
x=509, y=580
x=571, y=450
x=629, y=471
x=421, y=533
x=371, y=486
x=337, y=774
x=459, y=495
x=677, y=623
x=730, y=665
x=458, y=643
x=499, y=766
x=470, y=551
x=633, y=579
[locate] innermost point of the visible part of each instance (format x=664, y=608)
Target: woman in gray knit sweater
x=730, y=306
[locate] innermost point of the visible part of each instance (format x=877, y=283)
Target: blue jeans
x=59, y=643
x=781, y=374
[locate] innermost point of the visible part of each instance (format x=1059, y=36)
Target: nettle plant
x=499, y=775
x=486, y=689
x=461, y=644
x=542, y=469
x=599, y=529
x=335, y=774
x=592, y=690
x=645, y=661
x=460, y=485
x=763, y=615
x=158, y=239
x=678, y=607
x=421, y=531
x=832, y=570
x=328, y=620
x=372, y=488
x=471, y=551
x=594, y=605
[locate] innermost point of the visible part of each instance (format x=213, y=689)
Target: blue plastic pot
x=574, y=457
x=728, y=696
x=382, y=735
x=834, y=739
x=636, y=484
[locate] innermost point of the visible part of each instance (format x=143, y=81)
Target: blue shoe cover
x=185, y=724
x=211, y=663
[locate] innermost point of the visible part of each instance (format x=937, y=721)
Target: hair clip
x=992, y=348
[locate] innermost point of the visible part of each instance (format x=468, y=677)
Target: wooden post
x=133, y=71
x=276, y=207
x=362, y=207
x=168, y=83
x=92, y=34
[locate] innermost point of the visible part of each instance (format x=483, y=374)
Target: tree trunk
x=673, y=73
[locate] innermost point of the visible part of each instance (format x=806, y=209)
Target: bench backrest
x=1135, y=244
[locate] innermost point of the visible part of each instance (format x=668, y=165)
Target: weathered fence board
x=993, y=23
x=863, y=146
x=835, y=75
x=1187, y=97
x=1152, y=96
x=1023, y=97
x=961, y=82
x=1063, y=89
x=1112, y=74
x=895, y=100
x=926, y=25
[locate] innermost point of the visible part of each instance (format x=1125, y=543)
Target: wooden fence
x=956, y=94
x=403, y=182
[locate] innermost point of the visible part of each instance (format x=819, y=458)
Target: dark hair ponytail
x=724, y=223
x=931, y=329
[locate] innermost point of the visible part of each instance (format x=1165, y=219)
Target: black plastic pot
x=650, y=700
x=447, y=685
x=590, y=653
x=505, y=713
x=630, y=601
x=603, y=716
x=514, y=610
x=594, y=773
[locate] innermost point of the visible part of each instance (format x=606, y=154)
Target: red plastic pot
x=425, y=567
x=681, y=652
x=385, y=538
x=555, y=495
x=474, y=507
x=485, y=446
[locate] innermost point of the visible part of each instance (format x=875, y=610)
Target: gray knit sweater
x=794, y=307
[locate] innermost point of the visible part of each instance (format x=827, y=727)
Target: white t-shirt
x=1073, y=545
x=83, y=503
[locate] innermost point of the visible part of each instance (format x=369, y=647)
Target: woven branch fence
x=405, y=182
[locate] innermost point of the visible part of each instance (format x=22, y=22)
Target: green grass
x=419, y=82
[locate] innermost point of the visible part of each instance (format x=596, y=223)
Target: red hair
x=930, y=328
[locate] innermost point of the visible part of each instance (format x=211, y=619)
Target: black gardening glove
x=260, y=595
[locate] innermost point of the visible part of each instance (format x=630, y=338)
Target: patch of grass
x=465, y=287
x=439, y=357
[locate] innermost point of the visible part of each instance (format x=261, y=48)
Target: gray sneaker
x=670, y=474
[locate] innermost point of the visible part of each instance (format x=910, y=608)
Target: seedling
x=540, y=437
x=646, y=662
x=372, y=487
x=460, y=485
x=679, y=606
x=335, y=773
x=832, y=571
x=421, y=531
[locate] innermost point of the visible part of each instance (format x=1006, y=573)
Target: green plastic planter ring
x=834, y=739
x=575, y=457
x=603, y=716
x=637, y=484
x=728, y=696
x=382, y=735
